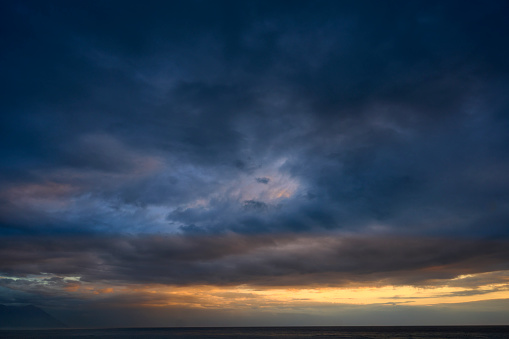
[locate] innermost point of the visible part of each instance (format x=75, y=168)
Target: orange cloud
x=251, y=297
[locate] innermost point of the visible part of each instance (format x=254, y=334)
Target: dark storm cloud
x=363, y=116
x=284, y=260
x=287, y=143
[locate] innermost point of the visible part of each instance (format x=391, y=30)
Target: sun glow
x=250, y=297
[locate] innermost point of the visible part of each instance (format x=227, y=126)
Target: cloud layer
x=284, y=260
x=224, y=143
x=346, y=116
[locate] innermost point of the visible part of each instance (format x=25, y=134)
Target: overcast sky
x=169, y=163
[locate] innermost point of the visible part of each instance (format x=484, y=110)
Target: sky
x=255, y=163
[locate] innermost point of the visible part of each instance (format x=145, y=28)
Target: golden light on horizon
x=250, y=297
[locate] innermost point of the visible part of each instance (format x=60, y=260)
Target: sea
x=372, y=332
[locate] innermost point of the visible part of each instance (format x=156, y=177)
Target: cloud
x=263, y=180
x=396, y=122
x=276, y=260
x=252, y=143
x=255, y=205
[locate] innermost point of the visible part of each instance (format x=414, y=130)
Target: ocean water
x=374, y=332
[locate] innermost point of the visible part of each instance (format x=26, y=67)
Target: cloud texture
x=272, y=144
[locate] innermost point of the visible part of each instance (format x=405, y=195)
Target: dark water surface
x=375, y=332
